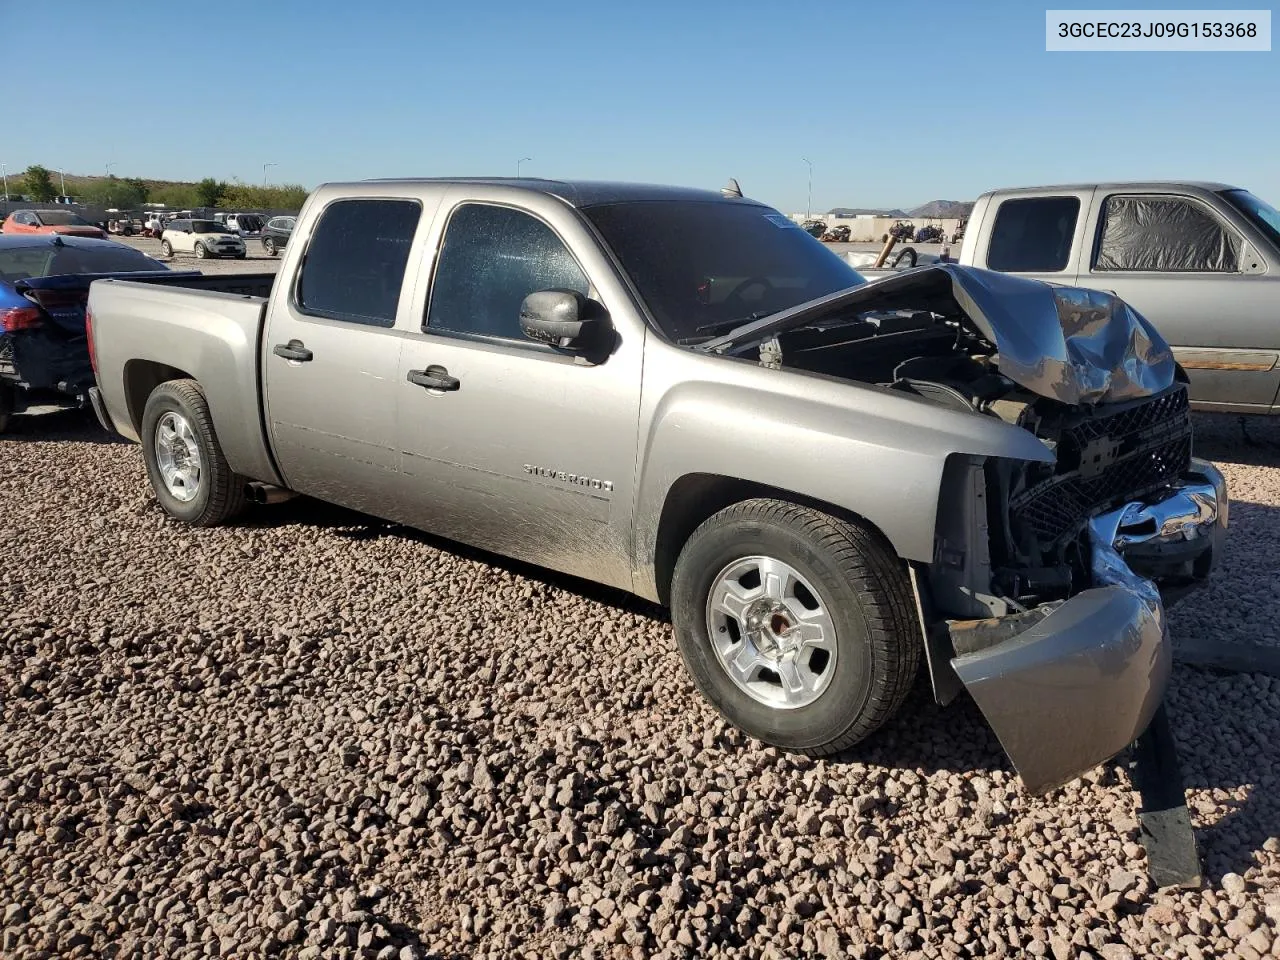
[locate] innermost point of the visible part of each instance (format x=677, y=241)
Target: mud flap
x=1173, y=860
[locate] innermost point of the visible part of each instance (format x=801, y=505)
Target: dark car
x=44, y=283
x=275, y=235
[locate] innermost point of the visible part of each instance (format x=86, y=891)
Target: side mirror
x=564, y=319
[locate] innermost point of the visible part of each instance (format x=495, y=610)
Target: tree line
x=131, y=192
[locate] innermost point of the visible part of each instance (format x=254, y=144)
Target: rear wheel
x=201, y=252
x=796, y=625
x=166, y=248
x=185, y=463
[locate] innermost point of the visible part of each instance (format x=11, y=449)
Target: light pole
x=264, y=171
x=4, y=170
x=63, y=177
x=109, y=166
x=518, y=162
x=808, y=209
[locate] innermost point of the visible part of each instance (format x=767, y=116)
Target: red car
x=51, y=221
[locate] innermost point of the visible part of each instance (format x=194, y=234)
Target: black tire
x=863, y=585
x=166, y=248
x=241, y=256
x=906, y=256
x=201, y=251
x=269, y=246
x=220, y=495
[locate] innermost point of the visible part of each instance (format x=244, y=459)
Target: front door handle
x=435, y=377
x=293, y=350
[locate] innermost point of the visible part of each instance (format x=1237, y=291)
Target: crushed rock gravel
x=314, y=734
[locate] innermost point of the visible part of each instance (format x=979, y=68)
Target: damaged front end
x=1045, y=595
x=1066, y=683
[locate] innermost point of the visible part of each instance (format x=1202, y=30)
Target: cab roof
x=577, y=193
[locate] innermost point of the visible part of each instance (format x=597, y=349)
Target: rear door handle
x=435, y=377
x=293, y=350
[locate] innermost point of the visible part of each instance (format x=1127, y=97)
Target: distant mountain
x=934, y=208
x=946, y=209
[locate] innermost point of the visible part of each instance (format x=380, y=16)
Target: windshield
x=704, y=267
x=59, y=218
x=208, y=226
x=1263, y=216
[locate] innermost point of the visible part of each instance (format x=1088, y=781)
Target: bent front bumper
x=1069, y=684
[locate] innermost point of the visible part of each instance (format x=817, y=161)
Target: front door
x=1178, y=264
x=332, y=353
x=507, y=444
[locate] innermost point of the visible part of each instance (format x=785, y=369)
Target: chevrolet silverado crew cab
x=1201, y=261
x=684, y=395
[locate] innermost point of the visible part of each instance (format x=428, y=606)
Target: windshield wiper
x=708, y=331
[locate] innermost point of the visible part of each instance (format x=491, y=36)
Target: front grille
x=1106, y=459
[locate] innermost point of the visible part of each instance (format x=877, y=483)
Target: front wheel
x=269, y=246
x=795, y=624
x=166, y=248
x=201, y=252
x=185, y=463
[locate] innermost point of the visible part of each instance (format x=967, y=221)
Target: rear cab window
x=354, y=265
x=1033, y=235
x=1163, y=234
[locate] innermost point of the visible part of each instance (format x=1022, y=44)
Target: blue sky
x=894, y=102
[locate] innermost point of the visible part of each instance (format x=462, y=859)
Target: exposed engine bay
x=1079, y=369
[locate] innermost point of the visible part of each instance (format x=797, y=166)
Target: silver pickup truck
x=1201, y=261
x=686, y=396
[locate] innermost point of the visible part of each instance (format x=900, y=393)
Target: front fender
x=874, y=452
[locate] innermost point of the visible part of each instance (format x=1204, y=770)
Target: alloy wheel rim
x=178, y=457
x=772, y=632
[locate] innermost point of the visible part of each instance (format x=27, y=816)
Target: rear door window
x=1033, y=235
x=492, y=258
x=1164, y=235
x=355, y=263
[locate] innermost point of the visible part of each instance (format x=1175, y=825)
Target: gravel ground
x=314, y=734
x=255, y=262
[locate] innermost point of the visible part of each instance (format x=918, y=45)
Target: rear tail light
x=21, y=318
x=88, y=336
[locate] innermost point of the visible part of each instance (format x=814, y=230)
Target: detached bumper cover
x=1084, y=679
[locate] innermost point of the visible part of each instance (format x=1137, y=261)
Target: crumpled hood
x=1074, y=345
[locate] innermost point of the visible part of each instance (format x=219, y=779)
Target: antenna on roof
x=731, y=189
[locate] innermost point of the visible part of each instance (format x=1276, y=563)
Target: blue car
x=44, y=284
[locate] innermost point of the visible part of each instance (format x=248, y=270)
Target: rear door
x=1177, y=260
x=1036, y=236
x=331, y=351
x=532, y=451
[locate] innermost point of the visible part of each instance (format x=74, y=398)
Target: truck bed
x=207, y=328
x=243, y=284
